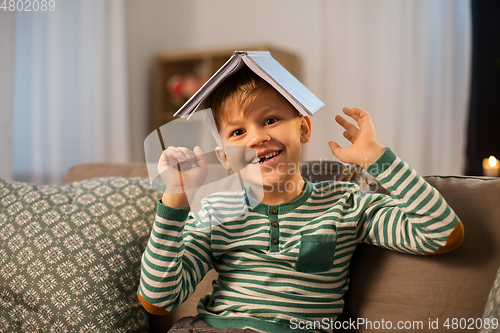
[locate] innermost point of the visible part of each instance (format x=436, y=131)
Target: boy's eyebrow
x=229, y=124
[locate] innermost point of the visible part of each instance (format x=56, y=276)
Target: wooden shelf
x=202, y=64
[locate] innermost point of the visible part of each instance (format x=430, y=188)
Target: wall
x=298, y=26
x=153, y=26
x=404, y=62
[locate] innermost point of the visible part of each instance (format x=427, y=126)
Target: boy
x=287, y=258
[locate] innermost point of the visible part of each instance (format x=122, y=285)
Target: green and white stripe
x=260, y=284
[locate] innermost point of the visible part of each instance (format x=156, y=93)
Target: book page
x=232, y=65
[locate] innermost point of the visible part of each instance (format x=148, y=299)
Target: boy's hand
x=192, y=164
x=365, y=148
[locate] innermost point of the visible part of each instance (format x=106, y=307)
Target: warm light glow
x=491, y=167
x=492, y=161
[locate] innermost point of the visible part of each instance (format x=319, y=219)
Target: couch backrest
x=97, y=170
x=387, y=285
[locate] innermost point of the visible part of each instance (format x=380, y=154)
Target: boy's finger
x=172, y=161
x=163, y=160
x=361, y=114
x=166, y=158
x=345, y=123
x=336, y=149
x=188, y=154
x=351, y=113
x=348, y=136
x=174, y=152
x=201, y=159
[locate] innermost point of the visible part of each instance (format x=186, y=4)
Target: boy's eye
x=270, y=121
x=237, y=132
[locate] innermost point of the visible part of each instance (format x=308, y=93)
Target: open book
x=264, y=65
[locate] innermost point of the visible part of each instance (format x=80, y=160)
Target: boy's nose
x=258, y=137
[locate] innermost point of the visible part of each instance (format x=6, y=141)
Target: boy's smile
x=274, y=131
x=266, y=157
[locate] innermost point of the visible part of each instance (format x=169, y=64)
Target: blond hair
x=241, y=88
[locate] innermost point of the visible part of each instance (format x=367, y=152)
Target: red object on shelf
x=182, y=87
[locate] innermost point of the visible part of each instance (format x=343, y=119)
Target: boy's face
x=273, y=128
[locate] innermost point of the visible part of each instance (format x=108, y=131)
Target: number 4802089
x=471, y=323
x=28, y=5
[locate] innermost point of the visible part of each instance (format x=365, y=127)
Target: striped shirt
x=290, y=260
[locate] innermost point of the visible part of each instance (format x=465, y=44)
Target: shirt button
x=275, y=241
x=275, y=224
x=274, y=211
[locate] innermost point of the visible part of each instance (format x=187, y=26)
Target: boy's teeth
x=266, y=157
x=271, y=154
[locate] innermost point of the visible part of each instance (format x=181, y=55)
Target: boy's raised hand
x=193, y=165
x=365, y=148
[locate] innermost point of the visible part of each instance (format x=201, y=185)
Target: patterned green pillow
x=70, y=255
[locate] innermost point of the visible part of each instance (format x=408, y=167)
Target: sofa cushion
x=70, y=255
x=400, y=287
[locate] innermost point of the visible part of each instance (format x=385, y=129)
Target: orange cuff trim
x=454, y=240
x=153, y=309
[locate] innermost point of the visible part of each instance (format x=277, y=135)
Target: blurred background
x=82, y=82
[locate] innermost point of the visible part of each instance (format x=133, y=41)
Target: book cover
x=264, y=65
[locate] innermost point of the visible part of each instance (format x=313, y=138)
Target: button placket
x=274, y=232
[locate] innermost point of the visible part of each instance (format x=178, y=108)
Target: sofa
x=387, y=289
x=387, y=286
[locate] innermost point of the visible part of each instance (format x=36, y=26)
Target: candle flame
x=492, y=161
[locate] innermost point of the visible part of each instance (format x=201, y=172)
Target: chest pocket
x=316, y=253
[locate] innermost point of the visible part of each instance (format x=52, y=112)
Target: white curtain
x=408, y=64
x=70, y=104
x=6, y=79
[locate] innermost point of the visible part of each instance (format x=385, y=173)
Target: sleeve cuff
x=383, y=163
x=173, y=214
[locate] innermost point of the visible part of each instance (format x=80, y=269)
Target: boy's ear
x=305, y=129
x=221, y=156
